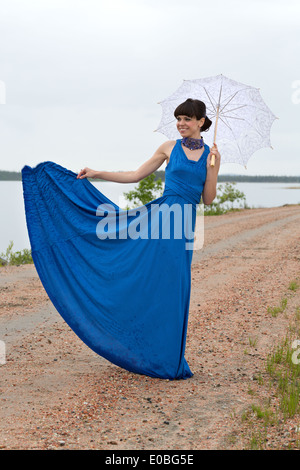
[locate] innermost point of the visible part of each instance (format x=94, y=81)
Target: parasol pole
x=212, y=162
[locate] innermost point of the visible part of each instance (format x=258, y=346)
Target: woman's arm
x=210, y=187
x=146, y=169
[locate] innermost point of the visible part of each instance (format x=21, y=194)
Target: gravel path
x=57, y=393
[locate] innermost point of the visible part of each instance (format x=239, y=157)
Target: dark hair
x=194, y=108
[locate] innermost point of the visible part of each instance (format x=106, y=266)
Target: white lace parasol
x=241, y=119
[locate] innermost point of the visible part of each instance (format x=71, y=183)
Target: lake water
x=13, y=223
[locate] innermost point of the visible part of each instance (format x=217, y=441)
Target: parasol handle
x=213, y=157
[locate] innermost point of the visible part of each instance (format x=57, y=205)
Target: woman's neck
x=198, y=136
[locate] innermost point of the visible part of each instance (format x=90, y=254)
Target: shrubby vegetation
x=226, y=200
x=147, y=190
x=15, y=258
x=227, y=196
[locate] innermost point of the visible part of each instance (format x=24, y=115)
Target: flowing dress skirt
x=116, y=277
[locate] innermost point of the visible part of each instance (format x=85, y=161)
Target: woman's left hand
x=86, y=173
x=214, y=151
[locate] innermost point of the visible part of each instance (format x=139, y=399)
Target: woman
x=113, y=275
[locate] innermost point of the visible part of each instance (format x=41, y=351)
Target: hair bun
x=194, y=108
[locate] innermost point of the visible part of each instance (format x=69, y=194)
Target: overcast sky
x=83, y=78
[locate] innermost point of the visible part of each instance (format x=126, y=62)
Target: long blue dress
x=120, y=279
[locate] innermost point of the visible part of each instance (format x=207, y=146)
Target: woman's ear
x=201, y=123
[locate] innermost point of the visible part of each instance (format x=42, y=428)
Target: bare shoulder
x=166, y=148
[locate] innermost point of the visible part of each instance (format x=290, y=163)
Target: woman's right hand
x=86, y=173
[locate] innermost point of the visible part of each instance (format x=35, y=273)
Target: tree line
x=232, y=178
x=160, y=174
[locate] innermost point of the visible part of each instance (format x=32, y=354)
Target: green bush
x=146, y=191
x=19, y=257
x=149, y=188
x=224, y=201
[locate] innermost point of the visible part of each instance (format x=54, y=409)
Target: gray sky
x=83, y=78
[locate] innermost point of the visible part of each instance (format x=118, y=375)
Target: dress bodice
x=185, y=177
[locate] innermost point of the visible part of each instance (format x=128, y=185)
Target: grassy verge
x=273, y=419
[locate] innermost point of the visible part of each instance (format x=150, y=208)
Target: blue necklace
x=193, y=144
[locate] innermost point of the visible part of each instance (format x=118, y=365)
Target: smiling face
x=189, y=126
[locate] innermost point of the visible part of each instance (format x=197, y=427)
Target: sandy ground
x=57, y=393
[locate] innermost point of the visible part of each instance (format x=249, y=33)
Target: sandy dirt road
x=57, y=393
